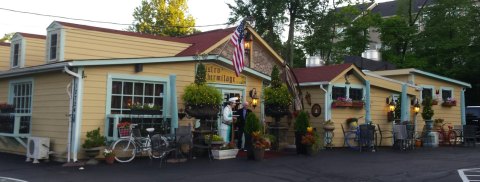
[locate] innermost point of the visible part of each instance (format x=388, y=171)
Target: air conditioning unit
x=37, y=148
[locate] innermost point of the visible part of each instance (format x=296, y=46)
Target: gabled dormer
x=55, y=42
x=17, y=51
x=26, y=50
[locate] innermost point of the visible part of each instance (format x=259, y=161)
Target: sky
x=205, y=12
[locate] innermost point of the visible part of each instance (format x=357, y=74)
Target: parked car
x=473, y=118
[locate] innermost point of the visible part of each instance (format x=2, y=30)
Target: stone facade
x=262, y=59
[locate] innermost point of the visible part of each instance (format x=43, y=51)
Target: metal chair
x=383, y=134
x=183, y=137
x=400, y=136
x=367, y=137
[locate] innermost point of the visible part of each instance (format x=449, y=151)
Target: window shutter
x=47, y=48
x=58, y=47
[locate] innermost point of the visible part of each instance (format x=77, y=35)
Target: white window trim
x=347, y=90
x=10, y=90
x=124, y=77
x=429, y=87
x=21, y=57
x=60, y=43
x=446, y=88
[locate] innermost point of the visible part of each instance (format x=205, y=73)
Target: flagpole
x=225, y=44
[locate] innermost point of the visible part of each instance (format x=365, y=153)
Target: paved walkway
x=440, y=164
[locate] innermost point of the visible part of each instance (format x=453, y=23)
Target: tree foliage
x=7, y=37
x=269, y=18
x=163, y=17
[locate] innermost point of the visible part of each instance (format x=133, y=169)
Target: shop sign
x=219, y=74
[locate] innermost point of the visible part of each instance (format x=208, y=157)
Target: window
x=16, y=55
x=124, y=93
x=22, y=96
x=446, y=94
x=53, y=46
x=356, y=93
x=339, y=92
x=427, y=92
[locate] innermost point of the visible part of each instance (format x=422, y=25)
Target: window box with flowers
x=7, y=108
x=342, y=102
x=358, y=103
x=145, y=109
x=449, y=102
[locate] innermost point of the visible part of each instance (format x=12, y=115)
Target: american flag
x=239, y=48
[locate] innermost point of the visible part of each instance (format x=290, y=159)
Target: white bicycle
x=126, y=148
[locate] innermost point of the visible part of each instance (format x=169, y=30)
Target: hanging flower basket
x=202, y=111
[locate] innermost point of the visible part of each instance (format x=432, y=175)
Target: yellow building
x=84, y=77
x=340, y=92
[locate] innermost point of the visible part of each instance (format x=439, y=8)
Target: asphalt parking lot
x=424, y=164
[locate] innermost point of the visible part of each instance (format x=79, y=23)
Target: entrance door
x=227, y=94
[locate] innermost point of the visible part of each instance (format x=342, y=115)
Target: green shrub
x=201, y=75
x=252, y=124
x=277, y=96
x=427, y=112
x=94, y=139
x=301, y=122
x=202, y=95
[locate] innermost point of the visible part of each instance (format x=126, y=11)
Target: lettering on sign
x=219, y=74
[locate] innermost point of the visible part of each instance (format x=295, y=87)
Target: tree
x=270, y=16
x=7, y=37
x=163, y=17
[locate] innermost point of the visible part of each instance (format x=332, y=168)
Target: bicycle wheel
x=124, y=150
x=159, y=146
x=351, y=140
x=452, y=137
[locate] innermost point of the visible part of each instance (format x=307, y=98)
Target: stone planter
x=224, y=154
x=91, y=154
x=259, y=154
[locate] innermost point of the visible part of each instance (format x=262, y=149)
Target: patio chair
x=400, y=137
x=367, y=137
x=383, y=134
x=469, y=135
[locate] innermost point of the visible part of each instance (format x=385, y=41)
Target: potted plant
x=449, y=102
x=260, y=143
x=311, y=140
x=329, y=125
x=216, y=140
x=277, y=97
x=252, y=124
x=427, y=114
x=225, y=152
x=92, y=145
x=109, y=156
x=437, y=123
x=201, y=100
x=145, y=109
x=301, y=125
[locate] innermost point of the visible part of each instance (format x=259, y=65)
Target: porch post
x=462, y=106
x=404, y=102
x=173, y=103
x=368, y=118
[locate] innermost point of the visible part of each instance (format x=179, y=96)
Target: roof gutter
x=33, y=70
x=313, y=83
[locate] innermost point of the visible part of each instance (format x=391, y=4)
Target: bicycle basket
x=124, y=132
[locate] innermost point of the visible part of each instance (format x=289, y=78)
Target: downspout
x=325, y=103
x=69, y=91
x=74, y=129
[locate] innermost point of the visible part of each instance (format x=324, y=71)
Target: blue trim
x=328, y=106
x=173, y=101
x=462, y=106
x=442, y=78
x=404, y=104
x=368, y=118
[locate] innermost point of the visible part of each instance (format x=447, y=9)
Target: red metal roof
x=32, y=35
x=204, y=40
x=86, y=27
x=4, y=44
x=319, y=74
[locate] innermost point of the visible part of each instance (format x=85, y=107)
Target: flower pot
x=110, y=159
x=309, y=150
x=259, y=154
x=418, y=143
x=224, y=154
x=202, y=111
x=249, y=146
x=341, y=104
